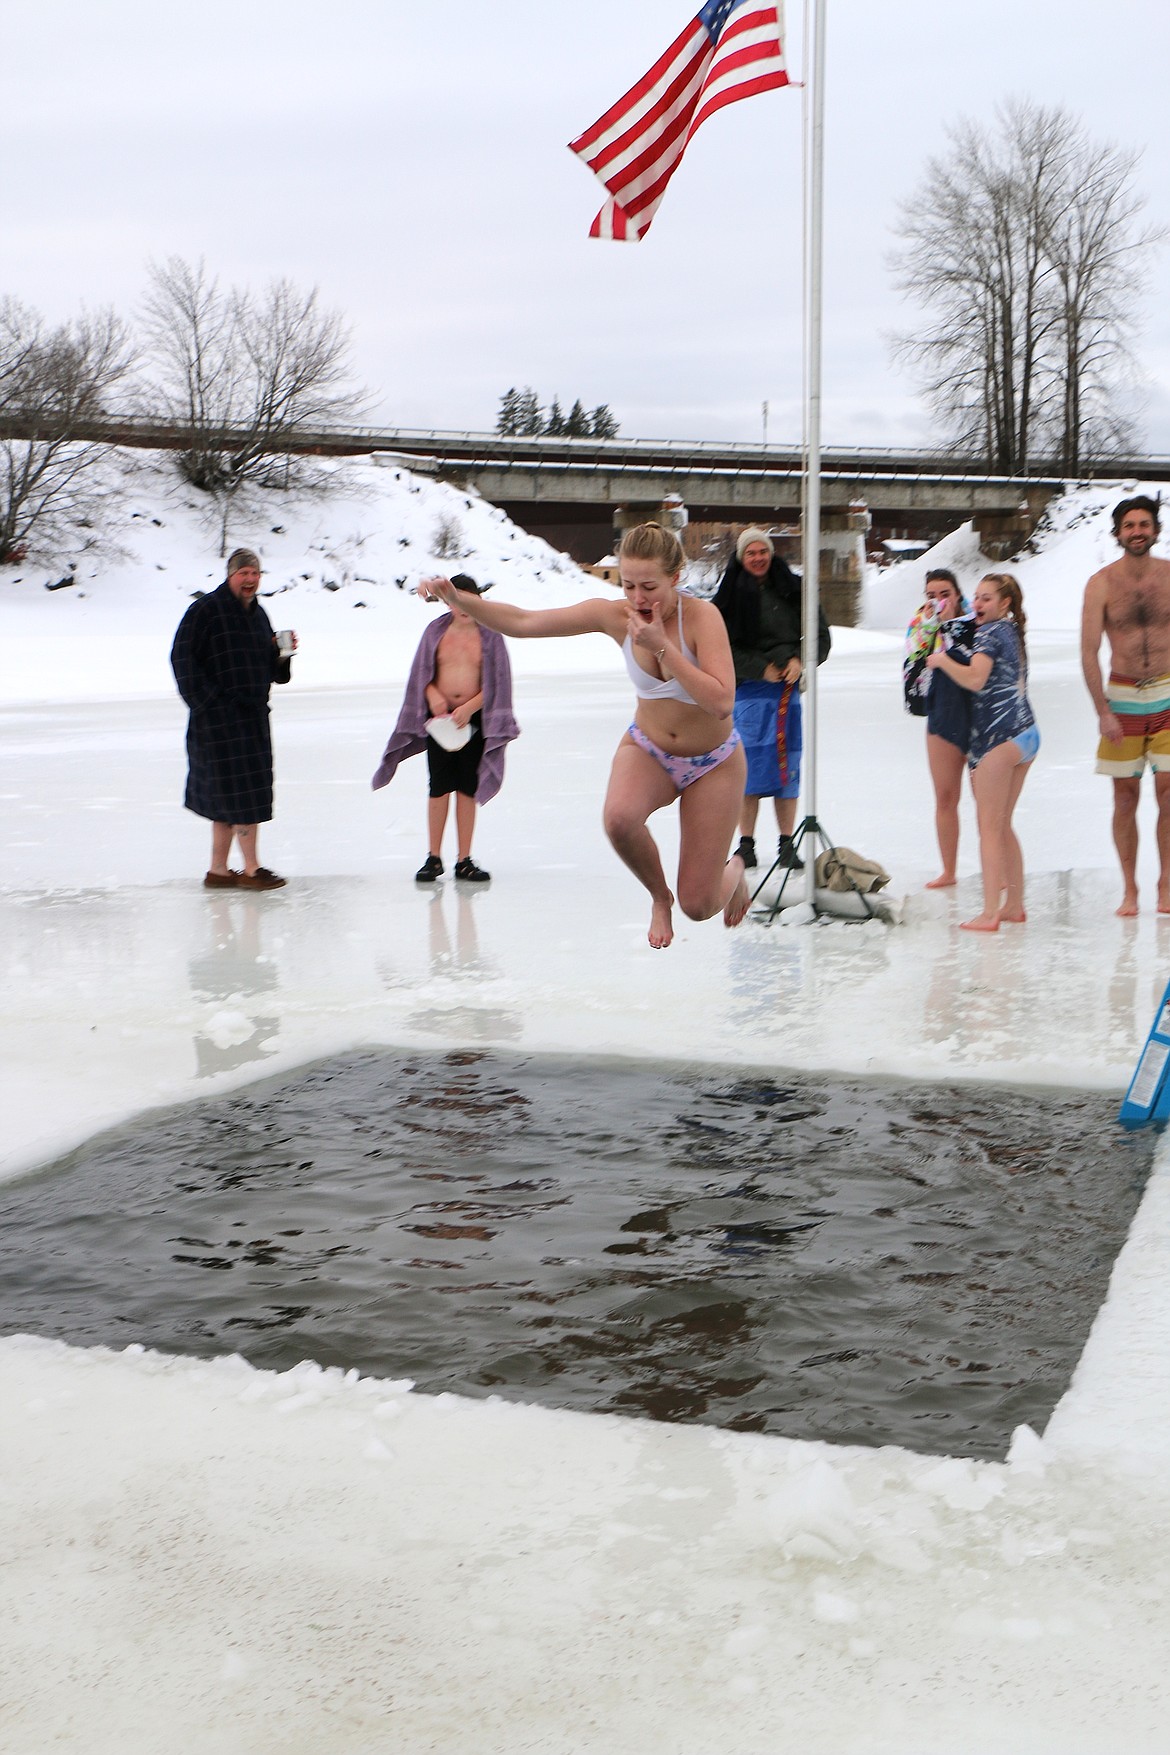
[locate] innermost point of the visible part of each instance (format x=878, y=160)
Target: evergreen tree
x=529, y=415
x=507, y=421
x=520, y=413
x=577, y=421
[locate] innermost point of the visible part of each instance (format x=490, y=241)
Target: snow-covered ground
x=214, y=1558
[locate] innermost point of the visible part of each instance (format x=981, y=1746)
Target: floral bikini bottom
x=684, y=770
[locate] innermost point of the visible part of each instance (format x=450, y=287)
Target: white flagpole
x=811, y=486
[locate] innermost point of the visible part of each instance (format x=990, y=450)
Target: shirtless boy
x=461, y=673
x=455, y=691
x=1129, y=603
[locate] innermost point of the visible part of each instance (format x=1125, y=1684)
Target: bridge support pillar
x=1003, y=534
x=669, y=511
x=843, y=562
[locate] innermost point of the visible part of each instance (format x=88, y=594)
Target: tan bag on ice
x=840, y=868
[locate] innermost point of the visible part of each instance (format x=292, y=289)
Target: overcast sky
x=410, y=160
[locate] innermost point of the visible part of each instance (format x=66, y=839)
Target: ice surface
x=207, y=1557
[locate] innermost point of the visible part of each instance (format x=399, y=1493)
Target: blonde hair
x=653, y=542
x=1008, y=587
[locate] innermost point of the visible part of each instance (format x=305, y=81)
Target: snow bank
x=1074, y=540
x=250, y=1561
x=339, y=568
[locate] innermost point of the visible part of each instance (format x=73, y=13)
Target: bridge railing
x=468, y=447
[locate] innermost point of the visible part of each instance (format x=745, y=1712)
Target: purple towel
x=409, y=736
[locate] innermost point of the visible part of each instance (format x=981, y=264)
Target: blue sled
x=1148, y=1099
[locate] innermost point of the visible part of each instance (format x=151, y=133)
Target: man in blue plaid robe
x=225, y=659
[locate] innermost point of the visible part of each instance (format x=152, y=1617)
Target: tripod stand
x=809, y=831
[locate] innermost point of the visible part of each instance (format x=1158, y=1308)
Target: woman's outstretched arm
x=595, y=615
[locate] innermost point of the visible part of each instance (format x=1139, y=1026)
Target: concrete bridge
x=573, y=490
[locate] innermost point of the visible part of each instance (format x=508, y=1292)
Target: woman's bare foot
x=661, y=925
x=1129, y=905
x=737, y=902
x=1163, y=899
x=945, y=881
x=1005, y=918
x=981, y=923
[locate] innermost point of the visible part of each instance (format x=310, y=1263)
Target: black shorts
x=456, y=770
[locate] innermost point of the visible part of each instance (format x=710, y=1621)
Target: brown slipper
x=260, y=879
x=222, y=880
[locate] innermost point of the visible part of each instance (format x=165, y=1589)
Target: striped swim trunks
x=1144, y=711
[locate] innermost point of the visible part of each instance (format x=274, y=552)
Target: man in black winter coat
x=759, y=598
x=225, y=659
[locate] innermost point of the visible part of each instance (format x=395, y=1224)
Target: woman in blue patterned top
x=1004, y=741
x=944, y=621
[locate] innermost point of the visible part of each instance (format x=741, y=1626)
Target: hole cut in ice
x=875, y=1263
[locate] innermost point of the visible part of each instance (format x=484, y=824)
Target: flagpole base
x=808, y=833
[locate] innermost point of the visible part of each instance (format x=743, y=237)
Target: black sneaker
x=469, y=873
x=747, y=851
x=788, y=856
x=429, y=870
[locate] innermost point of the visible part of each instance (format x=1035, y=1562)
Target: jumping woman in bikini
x=682, y=743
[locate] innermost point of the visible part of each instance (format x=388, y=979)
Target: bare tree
x=447, y=540
x=52, y=382
x=193, y=371
x=296, y=369
x=1021, y=245
x=247, y=376
x=1098, y=262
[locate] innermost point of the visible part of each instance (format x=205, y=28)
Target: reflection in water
x=969, y=1005
x=1122, y=1001
x=451, y=1010
x=989, y=991
x=866, y=1263
x=800, y=969
x=233, y=969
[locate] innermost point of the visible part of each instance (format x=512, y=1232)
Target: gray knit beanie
x=243, y=557
x=750, y=535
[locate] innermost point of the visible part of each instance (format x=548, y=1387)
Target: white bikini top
x=659, y=688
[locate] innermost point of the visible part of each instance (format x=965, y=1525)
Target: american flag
x=733, y=49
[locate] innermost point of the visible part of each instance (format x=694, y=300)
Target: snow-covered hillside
x=1073, y=541
x=339, y=568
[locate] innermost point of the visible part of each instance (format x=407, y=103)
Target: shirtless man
x=1129, y=603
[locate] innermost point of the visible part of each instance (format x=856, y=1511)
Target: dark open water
x=819, y=1257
